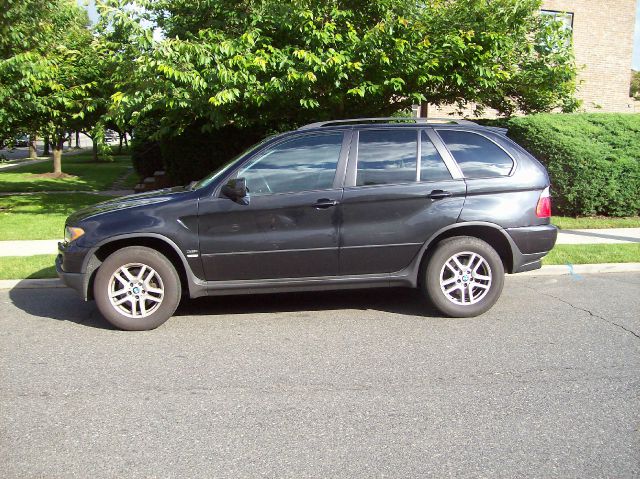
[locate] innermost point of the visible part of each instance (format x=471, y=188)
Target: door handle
x=324, y=203
x=439, y=194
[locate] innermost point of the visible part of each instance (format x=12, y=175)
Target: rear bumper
x=532, y=243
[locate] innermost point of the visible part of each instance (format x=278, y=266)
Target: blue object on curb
x=576, y=276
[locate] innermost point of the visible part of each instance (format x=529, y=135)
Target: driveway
x=349, y=384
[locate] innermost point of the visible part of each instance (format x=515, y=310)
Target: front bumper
x=72, y=280
x=69, y=266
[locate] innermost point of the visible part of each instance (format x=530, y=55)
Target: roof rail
x=386, y=119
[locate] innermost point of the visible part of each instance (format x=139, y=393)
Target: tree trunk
x=69, y=139
x=95, y=148
x=77, y=139
x=33, y=150
x=46, y=151
x=120, y=145
x=126, y=143
x=424, y=110
x=57, y=156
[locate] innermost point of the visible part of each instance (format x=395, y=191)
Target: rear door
x=398, y=192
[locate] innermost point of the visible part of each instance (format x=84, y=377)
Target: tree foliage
x=285, y=62
x=51, y=79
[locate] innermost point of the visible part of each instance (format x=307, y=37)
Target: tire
x=141, y=273
x=457, y=293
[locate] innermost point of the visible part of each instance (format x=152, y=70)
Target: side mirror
x=235, y=189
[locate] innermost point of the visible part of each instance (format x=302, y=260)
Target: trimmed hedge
x=146, y=157
x=593, y=160
x=194, y=154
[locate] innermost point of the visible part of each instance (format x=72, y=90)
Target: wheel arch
x=491, y=233
x=156, y=242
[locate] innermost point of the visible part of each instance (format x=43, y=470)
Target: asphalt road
x=350, y=384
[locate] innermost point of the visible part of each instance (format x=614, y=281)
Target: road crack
x=591, y=313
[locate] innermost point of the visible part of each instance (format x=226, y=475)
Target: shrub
x=194, y=154
x=146, y=157
x=593, y=160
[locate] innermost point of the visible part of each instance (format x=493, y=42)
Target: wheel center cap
x=136, y=290
x=465, y=278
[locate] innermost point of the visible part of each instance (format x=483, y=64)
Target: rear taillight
x=543, y=208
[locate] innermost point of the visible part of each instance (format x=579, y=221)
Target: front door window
x=301, y=164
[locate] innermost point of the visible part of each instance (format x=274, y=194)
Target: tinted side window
x=386, y=156
x=477, y=156
x=300, y=164
x=432, y=168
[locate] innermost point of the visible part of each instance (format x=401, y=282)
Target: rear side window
x=387, y=156
x=477, y=156
x=432, y=168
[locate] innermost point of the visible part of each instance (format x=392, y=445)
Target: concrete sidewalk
x=599, y=236
x=29, y=248
x=602, y=236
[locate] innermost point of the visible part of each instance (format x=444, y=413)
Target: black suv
x=445, y=206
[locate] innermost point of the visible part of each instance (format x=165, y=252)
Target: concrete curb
x=552, y=270
x=568, y=269
x=30, y=283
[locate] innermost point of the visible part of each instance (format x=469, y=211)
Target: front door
x=398, y=192
x=290, y=226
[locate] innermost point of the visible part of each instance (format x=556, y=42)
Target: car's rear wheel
x=464, y=277
x=136, y=288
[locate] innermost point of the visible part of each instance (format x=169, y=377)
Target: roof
x=399, y=121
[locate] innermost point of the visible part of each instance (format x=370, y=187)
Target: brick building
x=603, y=43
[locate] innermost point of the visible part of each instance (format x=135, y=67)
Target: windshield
x=216, y=174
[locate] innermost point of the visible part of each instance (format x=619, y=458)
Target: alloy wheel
x=136, y=290
x=465, y=278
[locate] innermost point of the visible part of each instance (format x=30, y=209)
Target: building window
x=566, y=18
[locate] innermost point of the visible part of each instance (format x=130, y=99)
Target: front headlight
x=72, y=233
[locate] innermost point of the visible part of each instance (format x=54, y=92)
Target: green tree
x=23, y=67
x=48, y=78
x=281, y=63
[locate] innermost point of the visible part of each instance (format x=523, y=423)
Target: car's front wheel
x=464, y=277
x=137, y=288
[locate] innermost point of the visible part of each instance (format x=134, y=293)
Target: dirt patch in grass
x=61, y=176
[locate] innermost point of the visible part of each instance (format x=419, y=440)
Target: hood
x=130, y=201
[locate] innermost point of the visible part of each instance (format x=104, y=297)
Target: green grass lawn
x=593, y=253
x=595, y=222
x=131, y=180
x=40, y=216
x=31, y=267
x=90, y=175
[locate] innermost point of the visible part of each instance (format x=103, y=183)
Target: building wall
x=603, y=44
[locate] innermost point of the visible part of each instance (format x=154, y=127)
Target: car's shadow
x=63, y=304
x=392, y=300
